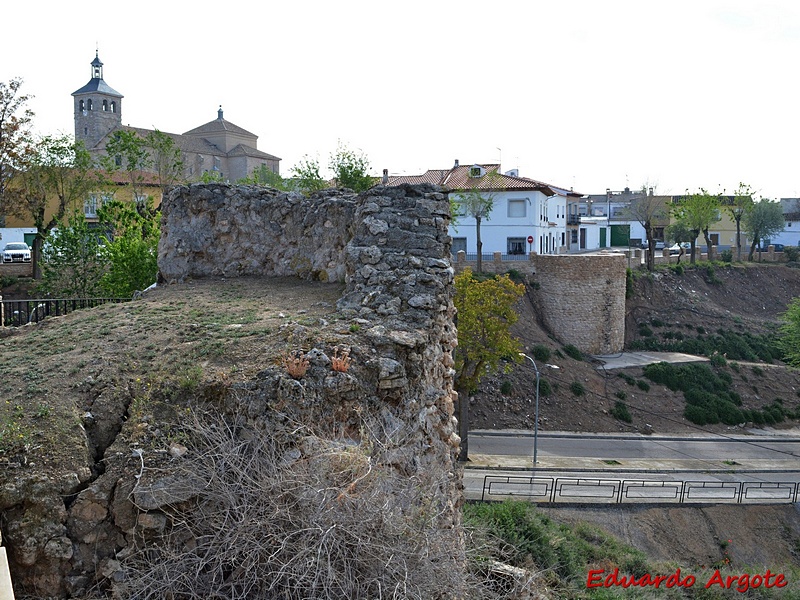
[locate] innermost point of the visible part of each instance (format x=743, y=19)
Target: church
x=218, y=146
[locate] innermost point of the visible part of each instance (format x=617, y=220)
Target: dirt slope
x=742, y=298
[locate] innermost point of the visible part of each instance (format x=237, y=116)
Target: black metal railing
x=21, y=312
x=550, y=490
x=573, y=219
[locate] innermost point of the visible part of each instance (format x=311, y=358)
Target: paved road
x=722, y=463
x=600, y=448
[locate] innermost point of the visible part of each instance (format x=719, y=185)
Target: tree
x=477, y=202
x=485, y=314
x=72, y=263
x=680, y=234
x=165, y=157
x=350, y=169
x=648, y=210
x=15, y=141
x=128, y=152
x=737, y=208
x=761, y=221
x=264, y=176
x=131, y=247
x=697, y=212
x=60, y=169
x=789, y=339
x=307, y=177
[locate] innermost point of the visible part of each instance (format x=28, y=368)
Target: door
x=603, y=237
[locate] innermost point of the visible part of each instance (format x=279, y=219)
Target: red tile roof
x=458, y=178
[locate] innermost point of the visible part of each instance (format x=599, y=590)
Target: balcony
x=573, y=219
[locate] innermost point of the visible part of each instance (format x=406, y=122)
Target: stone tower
x=98, y=108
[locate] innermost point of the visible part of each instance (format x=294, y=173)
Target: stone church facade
x=218, y=146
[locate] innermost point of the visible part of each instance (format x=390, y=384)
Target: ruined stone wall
x=581, y=300
x=223, y=230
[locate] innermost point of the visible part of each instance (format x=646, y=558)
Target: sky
x=582, y=94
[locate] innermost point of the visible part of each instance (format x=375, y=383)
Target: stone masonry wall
x=223, y=230
x=581, y=300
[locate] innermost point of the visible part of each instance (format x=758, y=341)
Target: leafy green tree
x=72, y=263
x=127, y=152
x=477, y=202
x=697, y=212
x=737, y=208
x=15, y=138
x=60, y=169
x=678, y=232
x=789, y=339
x=264, y=176
x=165, y=157
x=648, y=210
x=307, y=177
x=485, y=314
x=131, y=247
x=350, y=169
x=761, y=221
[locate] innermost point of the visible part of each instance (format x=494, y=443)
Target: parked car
x=16, y=252
x=676, y=248
x=765, y=247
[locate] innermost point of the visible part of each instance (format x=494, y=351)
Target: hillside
x=745, y=299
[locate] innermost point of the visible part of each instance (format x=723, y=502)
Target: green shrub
x=573, y=352
x=758, y=371
x=643, y=385
x=621, y=395
x=545, y=389
x=718, y=360
x=677, y=269
x=621, y=412
x=505, y=388
x=628, y=284
x=792, y=253
x=576, y=387
x=726, y=256
x=628, y=379
x=540, y=352
x=645, y=331
x=656, y=322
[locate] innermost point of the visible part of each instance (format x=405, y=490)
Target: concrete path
x=640, y=359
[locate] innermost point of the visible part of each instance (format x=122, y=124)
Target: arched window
x=89, y=104
x=105, y=105
x=113, y=106
x=82, y=105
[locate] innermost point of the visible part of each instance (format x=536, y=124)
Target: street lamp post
x=536, y=416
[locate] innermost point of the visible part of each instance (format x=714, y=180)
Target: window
x=113, y=106
x=105, y=105
x=82, y=105
x=90, y=206
x=516, y=245
x=516, y=209
x=89, y=104
x=574, y=236
x=476, y=171
x=459, y=245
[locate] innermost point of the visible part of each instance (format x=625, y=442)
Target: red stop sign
x=530, y=239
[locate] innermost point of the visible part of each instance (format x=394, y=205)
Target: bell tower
x=97, y=107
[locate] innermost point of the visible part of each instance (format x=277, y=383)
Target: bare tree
x=649, y=210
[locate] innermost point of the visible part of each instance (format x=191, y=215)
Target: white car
x=16, y=252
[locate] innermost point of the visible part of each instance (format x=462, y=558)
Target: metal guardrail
x=20, y=312
x=551, y=490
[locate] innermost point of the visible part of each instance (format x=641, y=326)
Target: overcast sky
x=582, y=94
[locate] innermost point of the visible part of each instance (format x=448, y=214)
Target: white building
x=526, y=215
